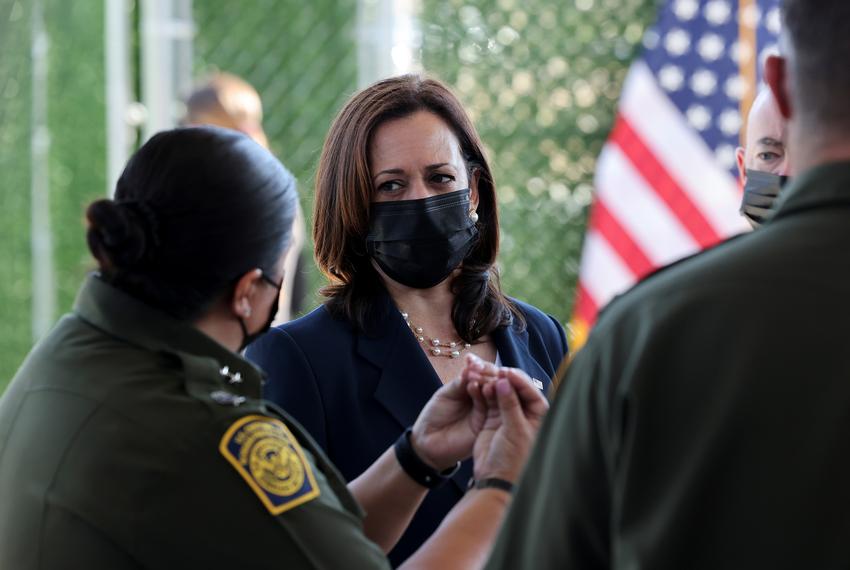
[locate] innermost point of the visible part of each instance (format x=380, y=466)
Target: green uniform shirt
x=706, y=424
x=131, y=440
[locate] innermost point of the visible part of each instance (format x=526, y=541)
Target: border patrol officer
x=705, y=423
x=134, y=435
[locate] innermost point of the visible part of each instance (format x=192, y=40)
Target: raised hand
x=445, y=430
x=514, y=412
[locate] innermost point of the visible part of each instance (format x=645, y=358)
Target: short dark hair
x=820, y=58
x=194, y=209
x=344, y=193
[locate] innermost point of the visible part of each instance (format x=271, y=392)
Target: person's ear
x=243, y=293
x=473, y=187
x=776, y=76
x=739, y=160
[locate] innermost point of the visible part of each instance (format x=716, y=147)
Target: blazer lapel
x=407, y=379
x=513, y=352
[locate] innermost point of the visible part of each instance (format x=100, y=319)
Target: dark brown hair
x=344, y=194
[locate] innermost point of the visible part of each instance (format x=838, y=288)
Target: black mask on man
x=249, y=338
x=760, y=192
x=420, y=242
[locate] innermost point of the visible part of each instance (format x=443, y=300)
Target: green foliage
x=541, y=80
x=14, y=186
x=76, y=120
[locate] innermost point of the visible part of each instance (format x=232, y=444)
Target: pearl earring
x=473, y=215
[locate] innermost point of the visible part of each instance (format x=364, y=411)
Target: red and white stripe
x=660, y=195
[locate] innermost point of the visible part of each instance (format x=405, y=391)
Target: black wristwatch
x=417, y=469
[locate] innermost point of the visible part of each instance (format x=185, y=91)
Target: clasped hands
x=490, y=413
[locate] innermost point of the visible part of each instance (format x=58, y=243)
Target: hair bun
x=117, y=236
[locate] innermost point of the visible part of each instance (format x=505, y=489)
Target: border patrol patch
x=269, y=458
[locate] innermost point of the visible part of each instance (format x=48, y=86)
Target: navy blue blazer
x=356, y=393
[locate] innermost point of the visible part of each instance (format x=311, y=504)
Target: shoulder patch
x=269, y=458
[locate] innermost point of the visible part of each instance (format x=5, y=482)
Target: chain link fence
x=14, y=186
x=302, y=58
x=75, y=90
x=540, y=78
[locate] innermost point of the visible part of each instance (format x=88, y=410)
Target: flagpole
x=748, y=61
x=43, y=284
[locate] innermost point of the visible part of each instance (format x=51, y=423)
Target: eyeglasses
x=271, y=282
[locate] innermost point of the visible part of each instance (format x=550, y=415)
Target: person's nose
x=418, y=190
x=784, y=168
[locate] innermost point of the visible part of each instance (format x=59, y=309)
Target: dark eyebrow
x=770, y=141
x=401, y=171
x=389, y=171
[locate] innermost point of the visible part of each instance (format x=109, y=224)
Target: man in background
x=705, y=423
x=228, y=101
x=763, y=165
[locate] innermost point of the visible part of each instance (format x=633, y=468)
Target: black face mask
x=420, y=242
x=760, y=192
x=249, y=338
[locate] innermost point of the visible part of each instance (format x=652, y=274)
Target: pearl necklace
x=435, y=346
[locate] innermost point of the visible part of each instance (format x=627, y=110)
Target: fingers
x=485, y=376
x=456, y=388
x=509, y=405
x=530, y=397
x=479, y=405
x=479, y=370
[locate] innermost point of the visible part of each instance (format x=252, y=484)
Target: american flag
x=666, y=180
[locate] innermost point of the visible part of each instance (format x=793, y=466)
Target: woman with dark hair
x=134, y=435
x=406, y=230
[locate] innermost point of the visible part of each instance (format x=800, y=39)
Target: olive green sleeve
x=559, y=516
x=205, y=515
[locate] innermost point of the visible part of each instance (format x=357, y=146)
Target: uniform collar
x=125, y=317
x=821, y=186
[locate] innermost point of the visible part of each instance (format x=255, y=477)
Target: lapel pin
x=537, y=383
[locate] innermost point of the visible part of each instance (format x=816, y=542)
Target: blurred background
x=83, y=83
